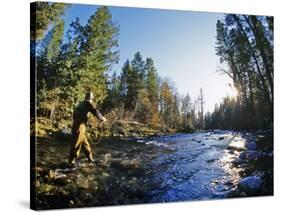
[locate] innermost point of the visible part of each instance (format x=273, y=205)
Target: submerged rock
x=254, y=155
x=243, y=155
x=238, y=161
x=250, y=185
x=235, y=148
x=252, y=146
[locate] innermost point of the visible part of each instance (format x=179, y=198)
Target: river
x=198, y=166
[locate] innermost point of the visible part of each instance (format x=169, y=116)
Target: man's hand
x=104, y=119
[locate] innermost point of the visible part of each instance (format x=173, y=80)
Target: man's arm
x=96, y=113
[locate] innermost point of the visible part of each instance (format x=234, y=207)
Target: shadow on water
x=203, y=165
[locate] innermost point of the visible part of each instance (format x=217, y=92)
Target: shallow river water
x=197, y=166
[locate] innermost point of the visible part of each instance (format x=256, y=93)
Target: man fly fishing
x=80, y=119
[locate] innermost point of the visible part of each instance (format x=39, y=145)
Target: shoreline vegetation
x=120, y=128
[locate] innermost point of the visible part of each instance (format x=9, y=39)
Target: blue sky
x=181, y=43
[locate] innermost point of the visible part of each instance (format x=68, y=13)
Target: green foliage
x=127, y=86
x=152, y=81
x=43, y=15
x=133, y=79
x=54, y=41
x=97, y=42
x=68, y=68
x=66, y=71
x=143, y=107
x=152, y=85
x=114, y=98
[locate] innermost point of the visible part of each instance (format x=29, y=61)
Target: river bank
x=119, y=128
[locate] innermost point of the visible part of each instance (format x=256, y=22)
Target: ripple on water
x=170, y=168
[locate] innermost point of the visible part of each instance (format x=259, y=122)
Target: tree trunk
x=260, y=44
x=267, y=96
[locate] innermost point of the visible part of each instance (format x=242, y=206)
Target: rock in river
x=238, y=161
x=83, y=184
x=251, y=185
x=254, y=155
x=252, y=146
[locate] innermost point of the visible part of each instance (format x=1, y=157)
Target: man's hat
x=89, y=96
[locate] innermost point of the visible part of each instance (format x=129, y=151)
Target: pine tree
x=166, y=103
x=152, y=89
x=138, y=66
x=48, y=81
x=44, y=14
x=97, y=42
x=129, y=86
x=143, y=107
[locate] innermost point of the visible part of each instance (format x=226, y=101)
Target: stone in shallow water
x=251, y=185
x=238, y=161
x=254, y=155
x=211, y=160
x=252, y=146
x=243, y=155
x=83, y=184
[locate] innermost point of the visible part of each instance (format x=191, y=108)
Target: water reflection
x=236, y=145
x=157, y=169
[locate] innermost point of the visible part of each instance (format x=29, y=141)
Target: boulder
x=250, y=185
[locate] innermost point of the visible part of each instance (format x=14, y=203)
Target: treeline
x=139, y=93
x=245, y=45
x=68, y=64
